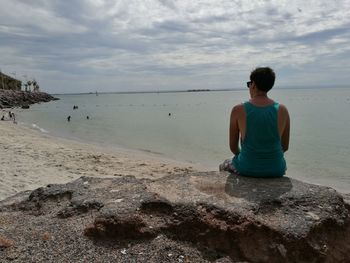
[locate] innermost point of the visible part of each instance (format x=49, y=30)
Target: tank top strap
x=248, y=106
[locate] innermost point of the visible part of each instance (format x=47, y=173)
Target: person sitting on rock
x=261, y=125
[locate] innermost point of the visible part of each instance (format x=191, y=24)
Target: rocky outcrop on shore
x=14, y=98
x=195, y=217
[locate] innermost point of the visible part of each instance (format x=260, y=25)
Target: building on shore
x=9, y=83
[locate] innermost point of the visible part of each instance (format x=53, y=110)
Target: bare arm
x=234, y=130
x=286, y=128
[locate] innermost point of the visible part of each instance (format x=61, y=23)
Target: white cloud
x=181, y=43
x=15, y=14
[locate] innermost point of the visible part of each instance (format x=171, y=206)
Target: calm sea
x=193, y=126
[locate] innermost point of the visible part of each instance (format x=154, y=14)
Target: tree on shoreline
x=32, y=85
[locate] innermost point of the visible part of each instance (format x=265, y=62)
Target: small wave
x=39, y=128
x=149, y=151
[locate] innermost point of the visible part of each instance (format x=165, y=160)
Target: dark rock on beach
x=198, y=217
x=16, y=98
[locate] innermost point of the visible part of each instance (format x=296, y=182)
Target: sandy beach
x=30, y=159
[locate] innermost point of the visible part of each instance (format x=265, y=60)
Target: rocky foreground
x=13, y=98
x=196, y=217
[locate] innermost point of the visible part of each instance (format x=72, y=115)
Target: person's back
x=261, y=152
x=262, y=127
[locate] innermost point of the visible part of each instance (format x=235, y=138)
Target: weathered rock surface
x=199, y=217
x=14, y=98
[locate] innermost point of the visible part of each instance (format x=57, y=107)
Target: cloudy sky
x=136, y=45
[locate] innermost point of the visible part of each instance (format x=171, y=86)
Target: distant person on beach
x=68, y=118
x=87, y=117
x=261, y=126
x=3, y=118
x=13, y=117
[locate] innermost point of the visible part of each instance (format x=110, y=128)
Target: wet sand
x=30, y=159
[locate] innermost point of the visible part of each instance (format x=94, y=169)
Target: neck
x=259, y=95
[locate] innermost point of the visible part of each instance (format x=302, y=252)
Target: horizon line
x=188, y=90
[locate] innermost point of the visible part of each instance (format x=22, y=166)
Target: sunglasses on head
x=249, y=83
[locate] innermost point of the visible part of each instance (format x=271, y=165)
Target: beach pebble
x=313, y=216
x=5, y=242
x=118, y=200
x=282, y=250
x=11, y=256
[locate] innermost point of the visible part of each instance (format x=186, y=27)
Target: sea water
x=193, y=126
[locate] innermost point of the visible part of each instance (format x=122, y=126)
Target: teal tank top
x=261, y=152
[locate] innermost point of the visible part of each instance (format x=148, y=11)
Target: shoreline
x=115, y=149
x=31, y=159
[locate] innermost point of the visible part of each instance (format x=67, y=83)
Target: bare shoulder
x=283, y=109
x=238, y=109
x=283, y=112
x=237, y=112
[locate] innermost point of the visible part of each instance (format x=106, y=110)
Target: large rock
x=200, y=217
x=14, y=98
